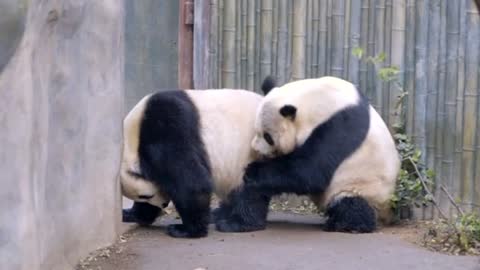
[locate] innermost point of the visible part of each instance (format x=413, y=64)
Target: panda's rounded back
x=227, y=118
x=371, y=171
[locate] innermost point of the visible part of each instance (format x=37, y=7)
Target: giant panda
x=322, y=139
x=182, y=145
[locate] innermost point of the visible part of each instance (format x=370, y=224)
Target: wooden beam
x=185, y=44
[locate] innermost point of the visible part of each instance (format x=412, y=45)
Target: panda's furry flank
x=307, y=170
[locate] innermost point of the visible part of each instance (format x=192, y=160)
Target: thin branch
x=442, y=187
x=424, y=184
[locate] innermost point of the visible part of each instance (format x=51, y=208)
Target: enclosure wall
x=61, y=105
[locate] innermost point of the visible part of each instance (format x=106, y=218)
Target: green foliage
x=468, y=231
x=357, y=52
x=461, y=235
x=388, y=74
x=410, y=191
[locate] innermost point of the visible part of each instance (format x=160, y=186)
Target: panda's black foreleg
x=194, y=210
x=286, y=174
x=142, y=213
x=247, y=212
x=350, y=214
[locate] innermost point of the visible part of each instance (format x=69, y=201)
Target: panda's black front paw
x=128, y=216
x=132, y=216
x=182, y=231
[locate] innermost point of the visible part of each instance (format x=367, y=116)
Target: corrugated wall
x=435, y=44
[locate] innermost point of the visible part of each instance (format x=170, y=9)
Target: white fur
x=372, y=169
x=227, y=119
x=370, y=172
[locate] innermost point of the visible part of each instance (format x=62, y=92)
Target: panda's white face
x=275, y=133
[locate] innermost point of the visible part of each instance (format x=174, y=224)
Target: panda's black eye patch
x=136, y=175
x=268, y=138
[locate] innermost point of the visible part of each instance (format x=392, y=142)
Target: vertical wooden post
x=185, y=44
x=299, y=39
x=201, y=45
x=229, y=67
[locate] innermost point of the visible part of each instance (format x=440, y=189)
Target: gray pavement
x=290, y=242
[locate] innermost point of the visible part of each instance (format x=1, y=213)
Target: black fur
x=173, y=156
x=351, y=214
x=288, y=111
x=141, y=213
x=247, y=211
x=268, y=84
x=306, y=170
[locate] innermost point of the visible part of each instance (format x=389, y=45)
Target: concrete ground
x=290, y=242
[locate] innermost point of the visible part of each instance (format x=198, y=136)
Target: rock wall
x=61, y=108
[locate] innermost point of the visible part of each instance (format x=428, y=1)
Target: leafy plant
x=414, y=180
x=459, y=235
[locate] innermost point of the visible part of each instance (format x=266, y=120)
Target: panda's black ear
x=288, y=111
x=268, y=84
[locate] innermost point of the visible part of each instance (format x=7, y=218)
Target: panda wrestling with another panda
x=317, y=137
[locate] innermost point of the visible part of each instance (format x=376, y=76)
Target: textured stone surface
x=61, y=105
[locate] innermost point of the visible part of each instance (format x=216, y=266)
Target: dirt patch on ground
x=410, y=231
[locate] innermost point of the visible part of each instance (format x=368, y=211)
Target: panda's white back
x=227, y=119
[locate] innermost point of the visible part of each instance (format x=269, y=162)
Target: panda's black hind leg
x=194, y=210
x=350, y=214
x=142, y=213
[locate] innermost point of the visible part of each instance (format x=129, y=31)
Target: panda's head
x=135, y=184
x=275, y=123
x=288, y=114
